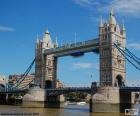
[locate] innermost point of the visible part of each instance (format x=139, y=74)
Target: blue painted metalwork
x=77, y=54
x=95, y=51
x=4, y=91
x=59, y=91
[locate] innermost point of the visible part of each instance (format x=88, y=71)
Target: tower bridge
x=112, y=90
x=112, y=64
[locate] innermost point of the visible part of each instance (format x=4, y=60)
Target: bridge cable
x=133, y=55
x=130, y=54
x=27, y=72
x=17, y=83
x=124, y=54
x=27, y=84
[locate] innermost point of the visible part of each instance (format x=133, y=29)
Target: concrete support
x=125, y=101
x=110, y=99
x=55, y=102
x=34, y=98
x=3, y=99
x=37, y=97
x=106, y=99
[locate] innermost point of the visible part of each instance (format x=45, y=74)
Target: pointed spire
x=47, y=32
x=123, y=30
x=101, y=22
x=123, y=27
x=56, y=42
x=37, y=39
x=112, y=20
x=112, y=12
x=47, y=37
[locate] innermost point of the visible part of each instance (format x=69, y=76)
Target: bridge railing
x=11, y=89
x=72, y=85
x=73, y=45
x=97, y=84
x=132, y=83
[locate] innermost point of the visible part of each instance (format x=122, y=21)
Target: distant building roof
x=2, y=79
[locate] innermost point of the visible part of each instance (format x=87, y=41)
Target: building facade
x=112, y=62
x=3, y=81
x=45, y=65
x=13, y=81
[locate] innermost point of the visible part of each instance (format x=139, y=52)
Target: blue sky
x=22, y=20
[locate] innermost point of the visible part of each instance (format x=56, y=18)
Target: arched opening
x=119, y=80
x=48, y=84
x=2, y=86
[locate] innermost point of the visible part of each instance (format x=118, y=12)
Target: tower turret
x=123, y=31
x=47, y=43
x=55, y=43
x=112, y=63
x=101, y=22
x=112, y=20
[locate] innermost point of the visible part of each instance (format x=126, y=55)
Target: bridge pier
x=3, y=98
x=55, y=101
x=110, y=99
x=34, y=98
x=125, y=101
x=37, y=97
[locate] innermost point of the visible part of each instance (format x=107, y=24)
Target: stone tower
x=112, y=62
x=45, y=65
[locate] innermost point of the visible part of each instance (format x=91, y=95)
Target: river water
x=69, y=110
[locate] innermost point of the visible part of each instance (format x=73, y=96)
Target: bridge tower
x=108, y=97
x=45, y=65
x=112, y=63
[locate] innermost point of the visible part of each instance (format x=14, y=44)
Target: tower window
x=106, y=29
x=49, y=63
x=115, y=28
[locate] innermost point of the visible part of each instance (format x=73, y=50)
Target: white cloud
x=135, y=46
x=127, y=6
x=87, y=3
x=6, y=29
x=84, y=65
x=124, y=7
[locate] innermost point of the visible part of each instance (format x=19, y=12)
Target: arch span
x=2, y=86
x=119, y=80
x=59, y=91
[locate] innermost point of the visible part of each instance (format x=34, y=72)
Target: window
x=115, y=28
x=49, y=62
x=49, y=71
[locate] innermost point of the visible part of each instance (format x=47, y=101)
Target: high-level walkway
x=85, y=46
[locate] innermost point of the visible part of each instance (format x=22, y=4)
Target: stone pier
x=110, y=99
x=3, y=98
x=37, y=97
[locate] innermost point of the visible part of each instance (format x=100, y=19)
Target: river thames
x=69, y=110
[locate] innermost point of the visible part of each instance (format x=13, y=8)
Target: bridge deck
x=4, y=91
x=130, y=89
x=59, y=91
x=85, y=46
